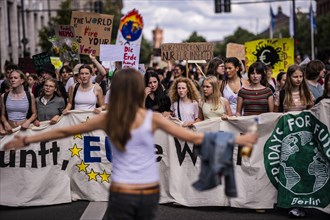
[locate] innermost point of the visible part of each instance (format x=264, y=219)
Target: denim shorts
x=132, y=206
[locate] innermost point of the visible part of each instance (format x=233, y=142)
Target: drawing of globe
x=131, y=31
x=296, y=163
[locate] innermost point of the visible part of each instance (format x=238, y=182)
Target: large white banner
x=79, y=167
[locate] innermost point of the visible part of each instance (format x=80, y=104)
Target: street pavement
x=85, y=210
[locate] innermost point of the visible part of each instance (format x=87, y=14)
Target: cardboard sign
x=187, y=51
x=235, y=50
x=41, y=59
x=279, y=53
x=92, y=30
x=26, y=65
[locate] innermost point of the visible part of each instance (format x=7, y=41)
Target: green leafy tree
x=63, y=17
x=240, y=36
x=194, y=37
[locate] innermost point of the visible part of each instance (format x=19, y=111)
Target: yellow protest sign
x=56, y=61
x=279, y=53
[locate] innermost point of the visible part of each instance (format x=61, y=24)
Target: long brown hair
x=127, y=96
x=304, y=92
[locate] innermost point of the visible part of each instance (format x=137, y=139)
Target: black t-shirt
x=161, y=103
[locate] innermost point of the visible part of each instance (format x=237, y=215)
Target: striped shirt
x=255, y=102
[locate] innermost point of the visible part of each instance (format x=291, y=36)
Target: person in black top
x=156, y=97
x=326, y=91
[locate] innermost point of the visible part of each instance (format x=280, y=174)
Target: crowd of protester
x=219, y=89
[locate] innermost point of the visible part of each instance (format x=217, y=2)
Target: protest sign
x=26, y=65
x=41, y=59
x=92, y=30
x=235, y=50
x=56, y=61
x=66, y=42
x=111, y=52
x=129, y=55
x=130, y=29
x=187, y=51
x=279, y=53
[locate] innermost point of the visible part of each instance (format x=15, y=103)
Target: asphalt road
x=84, y=210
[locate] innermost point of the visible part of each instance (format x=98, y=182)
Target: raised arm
x=97, y=122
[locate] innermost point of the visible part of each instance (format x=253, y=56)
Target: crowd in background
x=222, y=88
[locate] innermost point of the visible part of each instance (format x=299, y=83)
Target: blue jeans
x=130, y=206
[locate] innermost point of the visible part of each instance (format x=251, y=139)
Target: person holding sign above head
x=184, y=97
x=18, y=106
x=212, y=105
x=255, y=98
x=233, y=82
x=85, y=95
x=134, y=190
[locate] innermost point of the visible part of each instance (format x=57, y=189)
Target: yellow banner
x=279, y=53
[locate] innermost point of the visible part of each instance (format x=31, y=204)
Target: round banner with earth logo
x=297, y=161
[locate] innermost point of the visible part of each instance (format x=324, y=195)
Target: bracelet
x=25, y=142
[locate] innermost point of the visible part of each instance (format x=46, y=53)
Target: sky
x=179, y=18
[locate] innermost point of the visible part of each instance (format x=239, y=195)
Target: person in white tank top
x=130, y=138
x=88, y=94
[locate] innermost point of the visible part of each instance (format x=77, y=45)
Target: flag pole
x=311, y=14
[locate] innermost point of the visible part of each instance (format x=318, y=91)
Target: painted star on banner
x=82, y=166
x=92, y=175
x=105, y=176
x=75, y=150
x=78, y=136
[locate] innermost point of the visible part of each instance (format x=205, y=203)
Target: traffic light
x=226, y=5
x=222, y=6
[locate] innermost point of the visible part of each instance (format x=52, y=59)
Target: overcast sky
x=179, y=18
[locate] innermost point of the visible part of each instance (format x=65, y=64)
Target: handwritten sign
x=41, y=59
x=235, y=50
x=187, y=51
x=129, y=55
x=276, y=52
x=92, y=30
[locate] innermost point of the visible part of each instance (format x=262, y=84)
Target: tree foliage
x=194, y=37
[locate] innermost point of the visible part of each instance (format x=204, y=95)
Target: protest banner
x=26, y=64
x=79, y=167
x=66, y=42
x=235, y=50
x=187, y=51
x=111, y=52
x=279, y=53
x=130, y=36
x=41, y=59
x=91, y=29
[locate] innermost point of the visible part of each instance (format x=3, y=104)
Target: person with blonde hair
x=212, y=104
x=134, y=190
x=184, y=98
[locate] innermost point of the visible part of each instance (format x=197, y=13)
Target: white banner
x=79, y=167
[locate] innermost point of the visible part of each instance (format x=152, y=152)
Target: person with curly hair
x=184, y=98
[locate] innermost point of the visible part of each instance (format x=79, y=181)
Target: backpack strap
x=282, y=94
x=29, y=113
x=74, y=94
x=179, y=110
x=28, y=96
